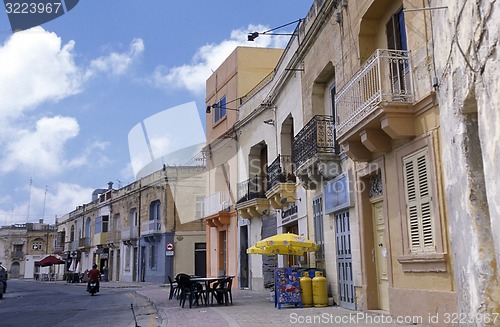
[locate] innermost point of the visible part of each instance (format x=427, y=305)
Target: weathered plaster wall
x=467, y=67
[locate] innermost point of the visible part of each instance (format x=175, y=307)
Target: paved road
x=153, y=309
x=53, y=304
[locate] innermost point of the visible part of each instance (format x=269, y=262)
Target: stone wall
x=467, y=69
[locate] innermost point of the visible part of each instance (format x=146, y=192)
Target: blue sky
x=73, y=88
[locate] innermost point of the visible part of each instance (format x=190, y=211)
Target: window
x=220, y=109
x=155, y=210
x=423, y=246
x=132, y=218
x=152, y=255
x=72, y=234
x=105, y=224
x=333, y=91
x=37, y=244
x=102, y=224
x=318, y=227
x=418, y=202
x=396, y=32
x=396, y=40
x=127, y=257
x=18, y=249
x=200, y=205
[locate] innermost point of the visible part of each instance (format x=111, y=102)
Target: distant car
x=3, y=280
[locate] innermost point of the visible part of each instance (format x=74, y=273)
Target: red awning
x=49, y=261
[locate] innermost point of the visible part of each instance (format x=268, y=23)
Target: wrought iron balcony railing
x=252, y=188
x=17, y=255
x=216, y=202
x=384, y=77
x=317, y=137
x=280, y=171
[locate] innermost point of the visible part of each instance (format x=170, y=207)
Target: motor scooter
x=92, y=287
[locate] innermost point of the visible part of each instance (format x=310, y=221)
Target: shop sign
x=338, y=194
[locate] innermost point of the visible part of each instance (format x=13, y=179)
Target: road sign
x=170, y=246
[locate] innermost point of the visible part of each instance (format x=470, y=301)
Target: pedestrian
x=94, y=274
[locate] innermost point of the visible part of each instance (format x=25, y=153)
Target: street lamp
x=218, y=106
x=252, y=36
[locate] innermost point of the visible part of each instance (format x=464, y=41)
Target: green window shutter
x=418, y=202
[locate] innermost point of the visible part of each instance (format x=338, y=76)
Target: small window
x=200, y=204
x=155, y=210
x=37, y=244
x=98, y=225
x=152, y=255
x=333, y=92
x=318, y=227
x=220, y=109
x=105, y=224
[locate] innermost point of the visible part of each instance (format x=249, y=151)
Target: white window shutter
x=418, y=202
x=422, y=161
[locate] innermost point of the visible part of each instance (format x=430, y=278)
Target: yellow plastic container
x=306, y=290
x=320, y=290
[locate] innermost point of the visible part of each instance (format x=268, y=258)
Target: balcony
x=316, y=152
x=217, y=207
x=150, y=227
x=17, y=255
x=83, y=243
x=217, y=202
x=281, y=181
x=101, y=238
x=375, y=105
x=130, y=233
x=252, y=201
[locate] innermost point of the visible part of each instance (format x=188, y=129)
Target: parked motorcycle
x=3, y=280
x=92, y=287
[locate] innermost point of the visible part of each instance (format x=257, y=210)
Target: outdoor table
x=207, y=281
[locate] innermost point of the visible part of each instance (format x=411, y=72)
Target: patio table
x=208, y=281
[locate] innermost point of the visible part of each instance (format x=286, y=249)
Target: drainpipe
x=139, y=251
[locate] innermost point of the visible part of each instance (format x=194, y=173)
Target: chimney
x=110, y=185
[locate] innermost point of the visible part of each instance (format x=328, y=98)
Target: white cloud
x=66, y=197
x=41, y=149
x=34, y=68
x=192, y=77
x=59, y=199
x=116, y=63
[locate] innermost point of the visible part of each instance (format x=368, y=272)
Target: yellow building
x=244, y=68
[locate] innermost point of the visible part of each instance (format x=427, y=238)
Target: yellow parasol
x=287, y=243
x=270, y=251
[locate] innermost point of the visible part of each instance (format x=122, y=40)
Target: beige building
x=228, y=237
x=142, y=232
x=23, y=244
x=161, y=230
